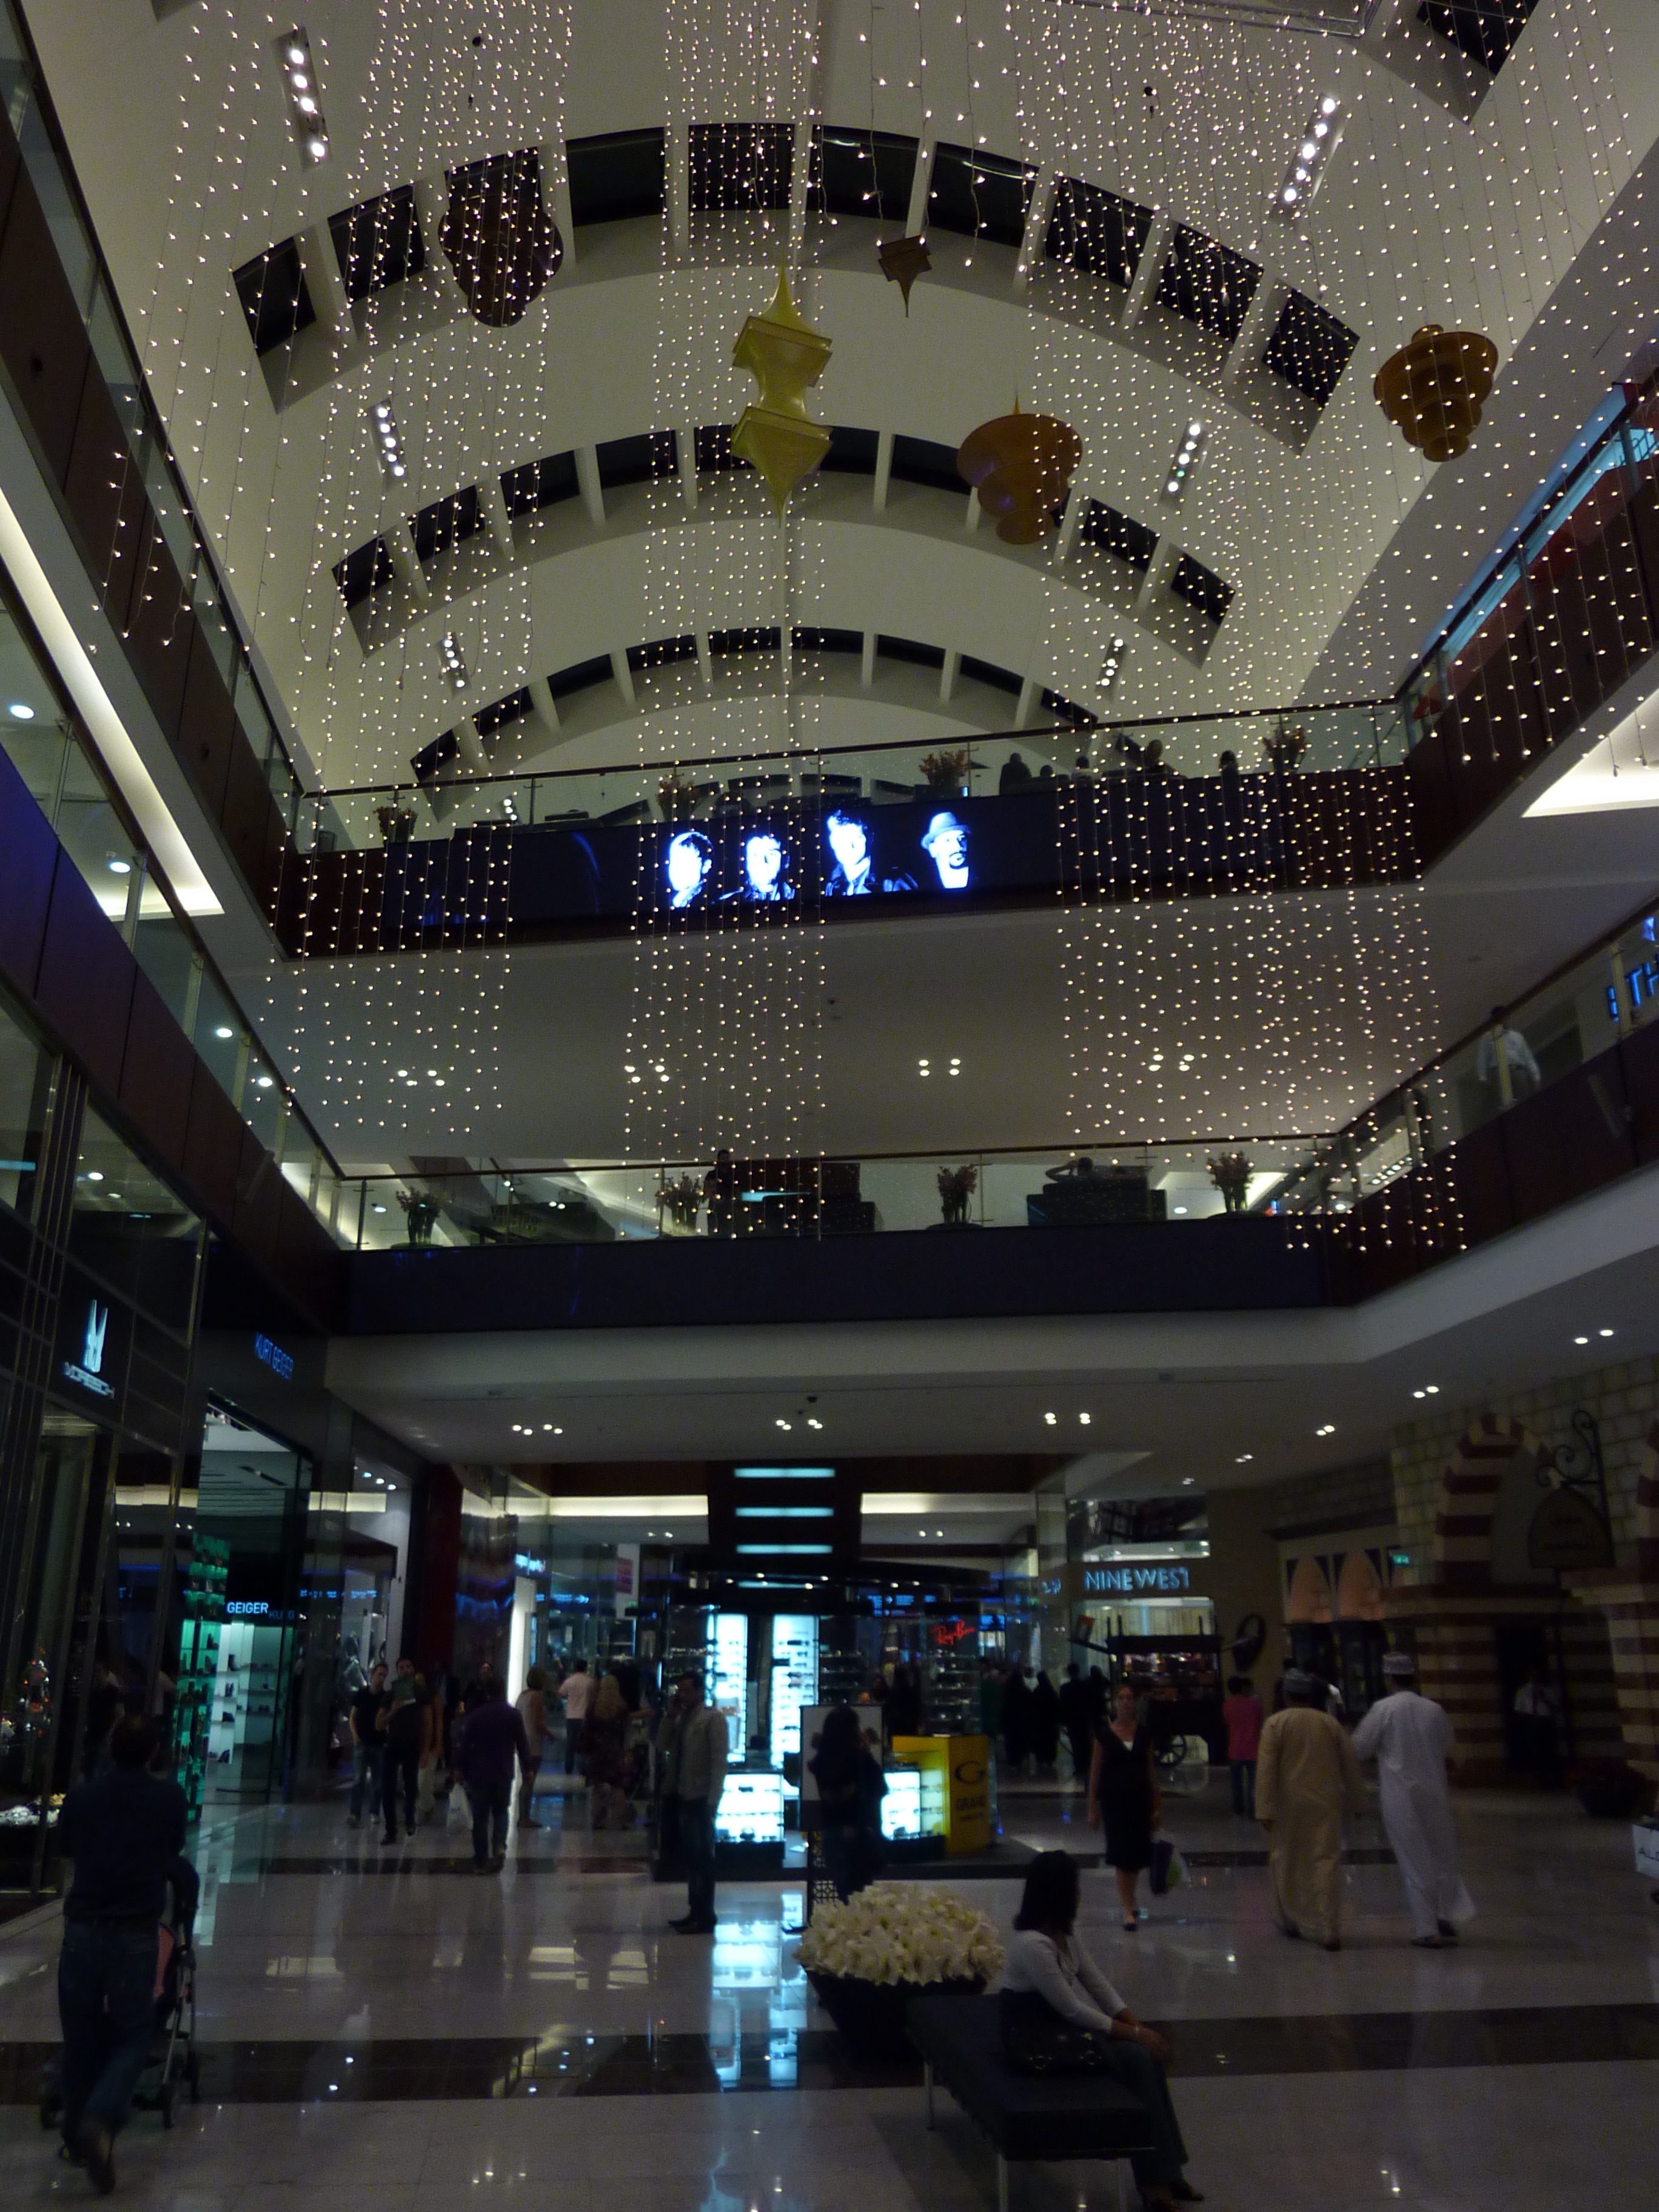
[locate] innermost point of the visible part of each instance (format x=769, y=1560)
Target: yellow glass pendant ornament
x=774, y=433
x=1435, y=387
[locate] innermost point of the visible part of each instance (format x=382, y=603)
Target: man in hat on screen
x=1306, y=1777
x=1411, y=1740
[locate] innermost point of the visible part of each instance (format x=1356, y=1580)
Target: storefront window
x=37, y=1645
x=25, y=1087
x=130, y=1230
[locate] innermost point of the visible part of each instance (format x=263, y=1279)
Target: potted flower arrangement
x=895, y=1941
x=947, y=771
x=1230, y=1174
x=677, y=798
x=956, y=1187
x=680, y=1201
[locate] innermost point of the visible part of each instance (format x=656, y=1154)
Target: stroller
x=173, y=2055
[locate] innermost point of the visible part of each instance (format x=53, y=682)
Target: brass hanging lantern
x=1434, y=388
x=774, y=433
x=902, y=260
x=501, y=241
x=1022, y=467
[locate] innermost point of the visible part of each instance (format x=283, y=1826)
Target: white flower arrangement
x=901, y=1931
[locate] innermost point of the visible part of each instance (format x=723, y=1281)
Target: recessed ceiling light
x=1581, y=1339
x=1084, y=1419
x=1329, y=1430
x=1051, y=1418
x=119, y=867
x=221, y=1032
x=1243, y=1458
x=19, y=710
x=1604, y=1332
x=94, y=1175
x=1187, y=1481
x=1307, y=163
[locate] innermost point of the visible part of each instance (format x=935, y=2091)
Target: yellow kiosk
x=958, y=1768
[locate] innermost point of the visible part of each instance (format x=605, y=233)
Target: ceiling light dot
x=19, y=710
x=1604, y=1332
x=1051, y=1418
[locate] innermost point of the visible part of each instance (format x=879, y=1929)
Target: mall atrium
x=513, y=514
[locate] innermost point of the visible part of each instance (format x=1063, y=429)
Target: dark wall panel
x=155, y=1075
x=245, y=815
x=207, y=736
x=159, y=629
x=84, y=988
x=29, y=861
x=105, y=499
x=259, y=1189
x=1568, y=1139
x=43, y=342
x=213, y=1145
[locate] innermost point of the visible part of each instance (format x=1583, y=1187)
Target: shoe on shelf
x=97, y=2147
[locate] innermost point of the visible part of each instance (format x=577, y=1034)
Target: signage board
x=1130, y=1581
x=1568, y=1535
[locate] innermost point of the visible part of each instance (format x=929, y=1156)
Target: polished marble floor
x=383, y=2032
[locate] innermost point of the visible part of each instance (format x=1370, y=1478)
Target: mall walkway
x=384, y=2033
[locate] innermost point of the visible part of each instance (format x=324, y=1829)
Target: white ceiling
x=193, y=171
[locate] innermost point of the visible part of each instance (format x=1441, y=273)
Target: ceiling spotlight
x=1581, y=1339
x=782, y=1424
x=388, y=441
x=1187, y=454
x=1084, y=1419
x=812, y=1423
x=1244, y=1459
x=305, y=115
x=224, y=1032
x=1604, y=1332
x=1307, y=165
x=119, y=867
x=449, y=653
x=1329, y=1430
x=19, y=710
x=1109, y=666
x=1051, y=1418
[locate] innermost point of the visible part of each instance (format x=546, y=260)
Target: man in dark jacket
x=123, y=1831
x=493, y=1738
x=1078, y=1720
x=401, y=1720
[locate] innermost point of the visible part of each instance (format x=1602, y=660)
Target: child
x=1243, y=1715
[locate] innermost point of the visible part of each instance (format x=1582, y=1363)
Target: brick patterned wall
x=1624, y=1401
x=1343, y=1497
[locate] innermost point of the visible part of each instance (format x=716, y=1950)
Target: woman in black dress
x=1123, y=1788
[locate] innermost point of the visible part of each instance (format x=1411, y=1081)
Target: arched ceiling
x=1432, y=207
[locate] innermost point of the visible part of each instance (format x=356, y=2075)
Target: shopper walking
x=123, y=1831
x=698, y=1741
x=1123, y=1792
x=1015, y=1720
x=1242, y=1717
x=1411, y=1739
x=575, y=1694
x=493, y=1739
x=532, y=1711
x=990, y=1702
x=401, y=1724
x=1045, y=1725
x=1077, y=1717
x=851, y=1787
x=1061, y=2016
x=1306, y=1777
x=606, y=1727
x=367, y=1747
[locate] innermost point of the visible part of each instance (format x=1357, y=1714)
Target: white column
x=320, y=266
x=625, y=676
x=915, y=221
x=587, y=482
x=1036, y=227
x=686, y=449
x=867, y=665
x=677, y=155
x=884, y=469
x=1153, y=255
x=947, y=677
x=1029, y=691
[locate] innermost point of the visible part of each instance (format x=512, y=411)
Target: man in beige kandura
x=1306, y=1777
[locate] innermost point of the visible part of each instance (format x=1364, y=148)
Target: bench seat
x=1026, y=2116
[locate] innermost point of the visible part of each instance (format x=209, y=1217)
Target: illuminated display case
x=794, y=1680
x=913, y=1811
x=749, y=1826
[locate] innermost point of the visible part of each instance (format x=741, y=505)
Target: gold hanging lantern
x=1434, y=387
x=775, y=432
x=1022, y=465
x=902, y=260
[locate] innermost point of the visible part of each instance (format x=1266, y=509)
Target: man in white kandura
x=1411, y=1740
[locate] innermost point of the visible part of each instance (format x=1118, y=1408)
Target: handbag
x=1169, y=1869
x=1036, y=2040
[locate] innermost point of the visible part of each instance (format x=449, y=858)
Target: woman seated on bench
x=1061, y=2016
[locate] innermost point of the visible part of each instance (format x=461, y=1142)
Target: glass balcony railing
x=1304, y=742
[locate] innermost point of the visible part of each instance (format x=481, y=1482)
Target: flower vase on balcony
x=956, y=1187
x=1230, y=1174
x=947, y=773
